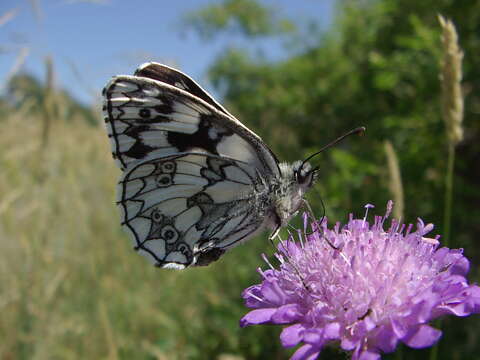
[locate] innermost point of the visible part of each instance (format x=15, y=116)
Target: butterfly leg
x=310, y=211
x=309, y=208
x=275, y=233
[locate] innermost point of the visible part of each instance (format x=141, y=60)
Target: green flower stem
x=447, y=215
x=448, y=195
x=434, y=351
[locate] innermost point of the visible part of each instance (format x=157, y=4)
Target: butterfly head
x=296, y=179
x=304, y=174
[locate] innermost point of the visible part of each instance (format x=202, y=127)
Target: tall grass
x=70, y=284
x=395, y=183
x=71, y=287
x=452, y=108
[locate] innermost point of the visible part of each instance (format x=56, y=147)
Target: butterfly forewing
x=148, y=118
x=178, y=79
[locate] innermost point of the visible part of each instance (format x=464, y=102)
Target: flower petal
x=422, y=336
x=461, y=265
x=253, y=297
x=272, y=292
x=288, y=248
x=386, y=340
x=314, y=337
x=459, y=309
x=466, y=303
x=306, y=352
x=348, y=343
x=258, y=316
x=287, y=314
x=399, y=328
x=421, y=312
x=291, y=335
x=332, y=331
x=473, y=294
x=440, y=254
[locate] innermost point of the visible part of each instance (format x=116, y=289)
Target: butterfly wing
x=195, y=178
x=189, y=208
x=147, y=118
x=173, y=77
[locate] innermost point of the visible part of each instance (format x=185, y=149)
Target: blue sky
x=92, y=40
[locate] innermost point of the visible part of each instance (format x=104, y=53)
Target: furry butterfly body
x=195, y=180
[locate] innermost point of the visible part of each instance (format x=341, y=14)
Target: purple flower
x=361, y=286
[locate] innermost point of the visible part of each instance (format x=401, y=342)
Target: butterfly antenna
x=359, y=130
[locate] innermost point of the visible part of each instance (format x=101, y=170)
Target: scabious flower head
x=361, y=286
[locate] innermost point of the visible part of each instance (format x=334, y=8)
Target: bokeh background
x=299, y=74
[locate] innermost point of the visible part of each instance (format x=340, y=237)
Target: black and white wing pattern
x=178, y=79
x=189, y=208
x=146, y=117
x=194, y=178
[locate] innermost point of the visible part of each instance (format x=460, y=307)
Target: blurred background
x=299, y=74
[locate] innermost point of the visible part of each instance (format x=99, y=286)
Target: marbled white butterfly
x=195, y=180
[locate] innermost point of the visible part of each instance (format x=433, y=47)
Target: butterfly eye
x=157, y=216
x=309, y=177
x=168, y=167
x=170, y=234
x=164, y=180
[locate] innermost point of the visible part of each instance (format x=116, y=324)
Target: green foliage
x=378, y=67
x=248, y=17
x=71, y=285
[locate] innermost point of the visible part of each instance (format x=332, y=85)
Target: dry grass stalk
x=71, y=285
x=395, y=184
x=451, y=77
x=17, y=65
x=452, y=109
x=109, y=333
x=49, y=102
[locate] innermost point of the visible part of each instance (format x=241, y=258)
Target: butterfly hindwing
x=147, y=118
x=189, y=208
